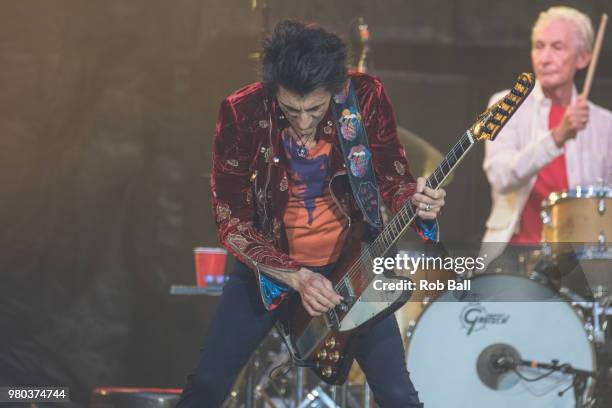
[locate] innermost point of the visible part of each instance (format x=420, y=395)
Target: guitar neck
x=396, y=227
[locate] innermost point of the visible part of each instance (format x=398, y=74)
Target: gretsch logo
x=474, y=317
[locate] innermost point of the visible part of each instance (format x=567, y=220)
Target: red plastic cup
x=210, y=266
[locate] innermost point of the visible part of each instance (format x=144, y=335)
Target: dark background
x=107, y=111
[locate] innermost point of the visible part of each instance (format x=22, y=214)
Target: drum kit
x=538, y=336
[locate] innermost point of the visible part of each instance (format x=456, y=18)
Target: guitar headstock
x=491, y=121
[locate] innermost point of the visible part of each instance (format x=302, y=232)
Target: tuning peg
x=524, y=83
x=514, y=92
x=501, y=112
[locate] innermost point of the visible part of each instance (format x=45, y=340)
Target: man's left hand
x=428, y=202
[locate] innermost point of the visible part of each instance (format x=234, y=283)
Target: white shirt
x=524, y=146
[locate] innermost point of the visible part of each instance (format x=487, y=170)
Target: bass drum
x=458, y=340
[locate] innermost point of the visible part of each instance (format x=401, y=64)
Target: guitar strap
x=357, y=155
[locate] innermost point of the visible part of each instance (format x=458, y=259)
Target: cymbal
x=422, y=156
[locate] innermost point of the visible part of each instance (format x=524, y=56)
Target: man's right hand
x=575, y=118
x=316, y=291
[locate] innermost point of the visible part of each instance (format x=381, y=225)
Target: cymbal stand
x=245, y=379
x=250, y=385
x=299, y=386
x=343, y=394
x=318, y=394
x=598, y=333
x=596, y=309
x=367, y=397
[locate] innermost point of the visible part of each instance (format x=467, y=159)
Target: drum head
x=453, y=343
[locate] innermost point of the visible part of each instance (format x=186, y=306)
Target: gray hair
x=583, y=28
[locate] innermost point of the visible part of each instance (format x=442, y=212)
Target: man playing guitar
x=283, y=205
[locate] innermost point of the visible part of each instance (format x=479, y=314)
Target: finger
x=580, y=101
x=430, y=192
x=429, y=205
x=435, y=194
x=418, y=198
x=582, y=116
x=332, y=294
x=420, y=184
x=432, y=205
x=326, y=288
x=318, y=299
x=433, y=210
x=580, y=113
x=314, y=305
x=435, y=207
x=582, y=108
x=318, y=307
x=428, y=215
x=324, y=301
x=580, y=123
x=426, y=207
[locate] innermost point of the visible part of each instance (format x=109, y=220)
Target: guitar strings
x=407, y=210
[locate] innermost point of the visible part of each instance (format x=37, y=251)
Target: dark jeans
x=241, y=323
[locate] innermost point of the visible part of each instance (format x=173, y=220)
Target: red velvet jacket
x=249, y=179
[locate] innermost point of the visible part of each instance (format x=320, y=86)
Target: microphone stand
x=580, y=377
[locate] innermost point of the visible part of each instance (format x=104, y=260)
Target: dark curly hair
x=303, y=57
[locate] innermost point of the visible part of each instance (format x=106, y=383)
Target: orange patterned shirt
x=314, y=224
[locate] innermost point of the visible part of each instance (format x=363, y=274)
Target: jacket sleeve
x=397, y=185
x=234, y=155
x=508, y=165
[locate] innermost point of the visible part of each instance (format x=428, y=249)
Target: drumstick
x=596, y=49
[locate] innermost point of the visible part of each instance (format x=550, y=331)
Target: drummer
x=557, y=140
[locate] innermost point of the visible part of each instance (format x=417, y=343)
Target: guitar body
x=327, y=343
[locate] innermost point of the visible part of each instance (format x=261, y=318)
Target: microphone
x=503, y=362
